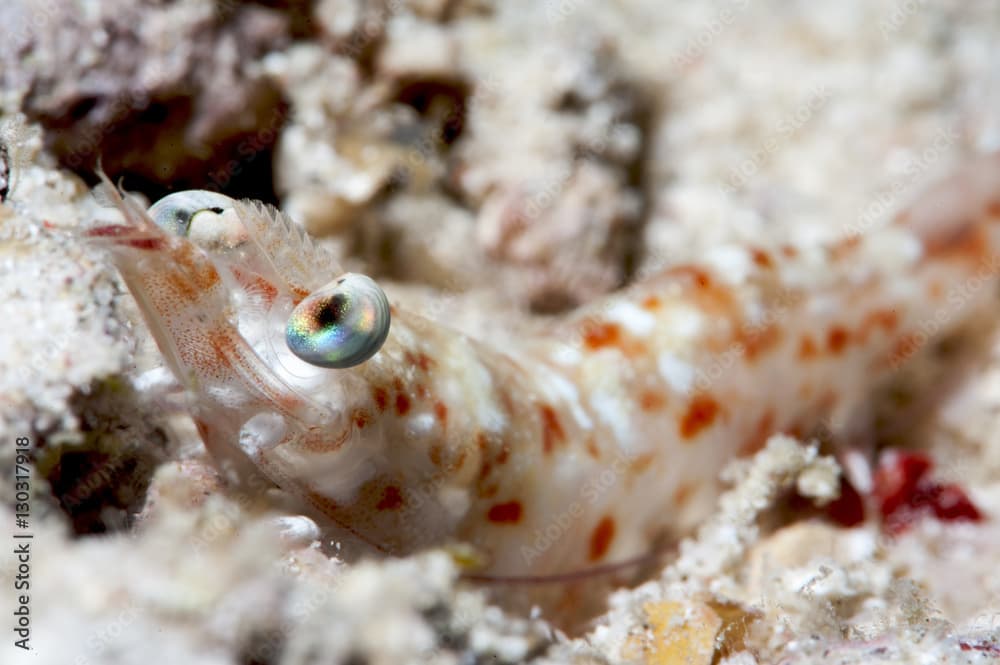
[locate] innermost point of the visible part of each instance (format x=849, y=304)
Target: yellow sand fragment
x=679, y=634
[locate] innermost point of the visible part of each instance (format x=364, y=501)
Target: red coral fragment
x=905, y=493
x=951, y=503
x=848, y=509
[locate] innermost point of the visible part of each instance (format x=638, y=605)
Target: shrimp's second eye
x=176, y=211
x=341, y=325
x=203, y=217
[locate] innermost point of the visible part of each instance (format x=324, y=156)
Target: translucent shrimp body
x=584, y=445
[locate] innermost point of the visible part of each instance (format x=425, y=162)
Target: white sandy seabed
x=766, y=119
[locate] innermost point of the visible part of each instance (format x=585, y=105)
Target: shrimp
x=587, y=443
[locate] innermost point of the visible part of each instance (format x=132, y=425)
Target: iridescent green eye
x=341, y=325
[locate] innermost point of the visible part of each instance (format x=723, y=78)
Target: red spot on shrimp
x=222, y=347
x=965, y=240
x=697, y=275
x=459, y=460
x=710, y=296
x=182, y=285
x=886, y=319
x=761, y=258
x=764, y=429
x=601, y=537
x=402, y=404
x=441, y=413
x=421, y=360
x=483, y=442
x=828, y=400
x=651, y=303
x=601, y=334
x=598, y=334
x=381, y=398
x=845, y=246
x=361, y=418
x=299, y=293
x=203, y=428
x=757, y=342
x=700, y=415
x=592, y=449
x=552, y=430
x=265, y=288
x=505, y=513
x=256, y=284
x=807, y=348
x=682, y=494
x=195, y=269
x=392, y=499
x=905, y=346
x=935, y=290
x=993, y=209
x=436, y=454
x=326, y=505
x=485, y=470
x=641, y=463
x=836, y=339
x=652, y=400
x=321, y=442
x=504, y=454
x=789, y=251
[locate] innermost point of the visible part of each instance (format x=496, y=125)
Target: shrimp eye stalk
x=340, y=325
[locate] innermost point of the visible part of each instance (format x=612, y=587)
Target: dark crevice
x=262, y=647
x=146, y=150
x=82, y=108
x=637, y=177
x=154, y=114
x=441, y=102
x=101, y=483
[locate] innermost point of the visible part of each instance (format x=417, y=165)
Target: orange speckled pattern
x=607, y=431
